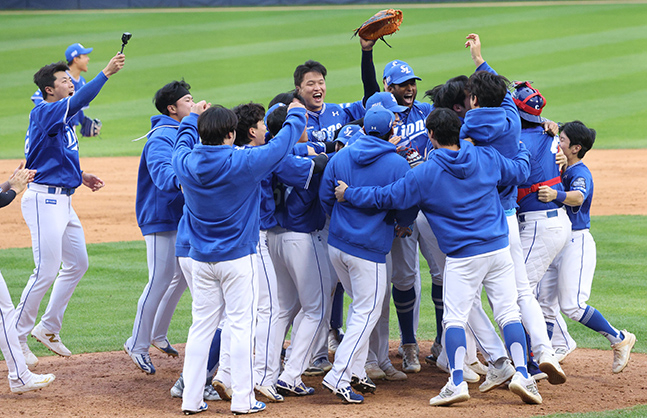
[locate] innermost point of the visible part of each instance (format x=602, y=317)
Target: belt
x=523, y=192
x=44, y=188
x=542, y=214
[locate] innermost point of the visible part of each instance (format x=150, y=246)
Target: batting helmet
x=529, y=101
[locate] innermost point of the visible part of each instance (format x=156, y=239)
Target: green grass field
x=586, y=59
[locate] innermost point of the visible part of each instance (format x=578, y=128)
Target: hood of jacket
x=460, y=164
x=368, y=148
x=484, y=124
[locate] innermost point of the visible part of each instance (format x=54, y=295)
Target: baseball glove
x=382, y=23
x=412, y=156
x=90, y=127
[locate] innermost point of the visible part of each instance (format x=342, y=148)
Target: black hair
x=285, y=98
x=275, y=120
x=526, y=124
x=170, y=94
x=579, y=134
x=248, y=114
x=215, y=123
x=446, y=126
x=490, y=89
x=45, y=76
x=307, y=67
x=449, y=94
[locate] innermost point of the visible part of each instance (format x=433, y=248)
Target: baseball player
x=51, y=148
x=464, y=181
x=493, y=120
x=223, y=222
x=325, y=119
x=569, y=278
x=158, y=207
x=359, y=241
x=77, y=58
x=21, y=380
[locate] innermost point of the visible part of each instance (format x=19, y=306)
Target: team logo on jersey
x=50, y=201
x=335, y=113
x=579, y=183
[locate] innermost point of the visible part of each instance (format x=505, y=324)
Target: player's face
x=405, y=93
x=313, y=90
x=63, y=86
x=259, y=133
x=183, y=106
x=565, y=145
x=82, y=62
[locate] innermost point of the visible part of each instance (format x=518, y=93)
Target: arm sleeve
x=320, y=162
x=402, y=194
x=84, y=96
x=159, y=165
x=327, y=189
x=187, y=138
x=263, y=160
x=514, y=171
x=7, y=197
x=295, y=171
x=369, y=80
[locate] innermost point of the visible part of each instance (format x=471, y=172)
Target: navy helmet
x=529, y=101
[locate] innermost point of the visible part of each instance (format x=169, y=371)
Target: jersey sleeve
x=295, y=171
x=513, y=171
x=159, y=152
x=402, y=194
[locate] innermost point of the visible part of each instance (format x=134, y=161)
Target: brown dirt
x=108, y=384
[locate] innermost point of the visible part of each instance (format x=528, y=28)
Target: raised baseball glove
x=90, y=127
x=382, y=23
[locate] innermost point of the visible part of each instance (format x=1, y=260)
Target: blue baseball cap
x=348, y=133
x=379, y=120
x=75, y=50
x=397, y=72
x=386, y=100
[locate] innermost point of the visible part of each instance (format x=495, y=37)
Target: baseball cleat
x=30, y=359
x=318, y=367
x=374, y=371
x=431, y=360
x=393, y=374
x=269, y=392
x=223, y=391
x=346, y=394
x=410, y=361
x=165, y=347
x=37, y=381
x=451, y=394
x=209, y=393
x=142, y=361
x=549, y=365
x=178, y=388
x=622, y=351
x=497, y=376
x=469, y=375
x=478, y=368
x=258, y=407
x=202, y=408
x=364, y=385
x=335, y=335
x=286, y=389
x=436, y=349
x=51, y=340
x=562, y=352
x=533, y=370
x=525, y=388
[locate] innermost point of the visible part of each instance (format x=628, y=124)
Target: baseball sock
x=550, y=327
x=337, y=315
x=404, y=302
x=515, y=342
x=437, y=297
x=214, y=353
x=593, y=319
x=456, y=346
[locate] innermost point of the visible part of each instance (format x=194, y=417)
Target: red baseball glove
x=382, y=23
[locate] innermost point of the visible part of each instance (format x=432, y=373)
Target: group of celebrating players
x=268, y=217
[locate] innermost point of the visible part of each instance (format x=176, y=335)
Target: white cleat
x=622, y=351
x=37, y=381
x=451, y=394
x=51, y=340
x=525, y=388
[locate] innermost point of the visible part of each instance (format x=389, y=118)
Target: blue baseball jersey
x=37, y=97
x=578, y=177
x=323, y=124
x=51, y=145
x=543, y=168
x=412, y=128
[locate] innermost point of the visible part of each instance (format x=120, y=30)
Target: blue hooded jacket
x=499, y=127
x=364, y=233
x=222, y=188
x=159, y=199
x=457, y=191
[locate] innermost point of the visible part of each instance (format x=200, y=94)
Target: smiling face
x=63, y=87
x=313, y=90
x=81, y=62
x=405, y=93
x=182, y=107
x=570, y=151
